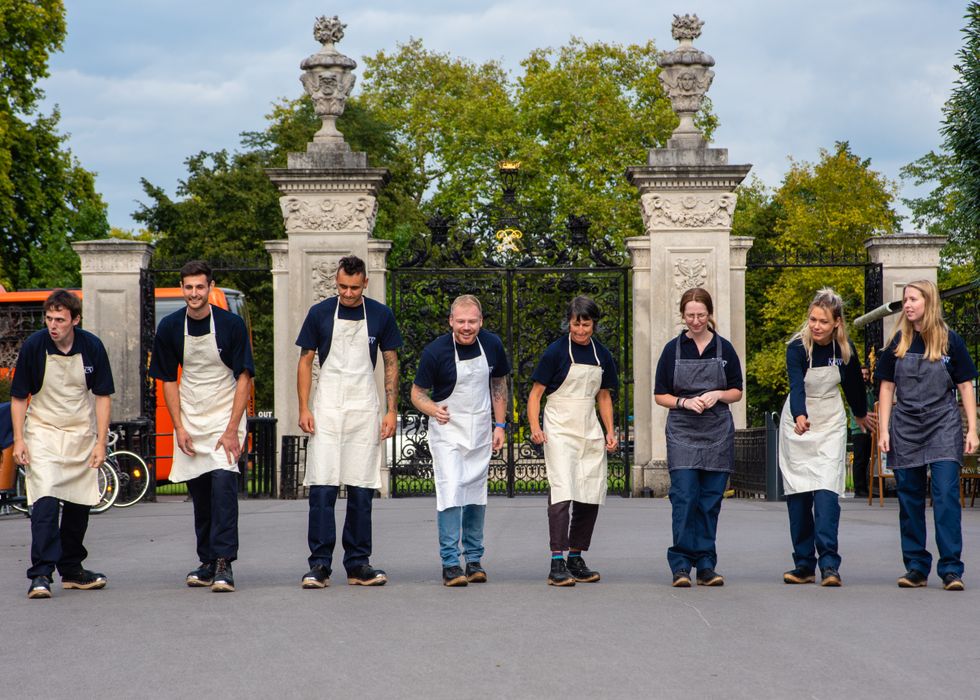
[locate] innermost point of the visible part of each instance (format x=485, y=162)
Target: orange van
x=168, y=300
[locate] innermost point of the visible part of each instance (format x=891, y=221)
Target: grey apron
x=926, y=425
x=706, y=440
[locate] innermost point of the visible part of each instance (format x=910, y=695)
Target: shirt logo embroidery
x=89, y=369
x=371, y=340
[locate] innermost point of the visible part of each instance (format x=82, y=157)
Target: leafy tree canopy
x=47, y=199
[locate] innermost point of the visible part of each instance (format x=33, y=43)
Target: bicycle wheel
x=20, y=500
x=134, y=477
x=108, y=487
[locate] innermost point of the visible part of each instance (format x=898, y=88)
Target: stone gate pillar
x=110, y=300
x=904, y=258
x=687, y=200
x=329, y=202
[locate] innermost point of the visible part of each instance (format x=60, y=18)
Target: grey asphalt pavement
x=147, y=635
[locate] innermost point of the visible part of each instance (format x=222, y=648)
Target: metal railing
x=756, y=472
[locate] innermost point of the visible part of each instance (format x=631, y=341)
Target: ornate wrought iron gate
x=524, y=297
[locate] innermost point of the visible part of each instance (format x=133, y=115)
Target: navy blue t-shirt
x=957, y=359
x=317, y=331
x=231, y=336
x=851, y=380
x=437, y=366
x=554, y=364
x=664, y=378
x=29, y=374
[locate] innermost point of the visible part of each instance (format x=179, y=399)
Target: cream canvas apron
x=60, y=435
x=816, y=459
x=461, y=448
x=575, y=452
x=346, y=445
x=207, y=395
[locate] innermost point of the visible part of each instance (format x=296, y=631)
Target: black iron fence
x=293, y=460
x=961, y=309
x=756, y=472
x=135, y=436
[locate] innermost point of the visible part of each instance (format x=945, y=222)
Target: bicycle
x=132, y=474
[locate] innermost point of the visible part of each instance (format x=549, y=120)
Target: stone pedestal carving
x=905, y=257
x=329, y=204
x=687, y=201
x=110, y=300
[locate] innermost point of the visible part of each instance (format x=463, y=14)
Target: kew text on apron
x=346, y=445
x=706, y=440
x=207, y=394
x=60, y=435
x=461, y=448
x=575, y=452
x=926, y=424
x=816, y=459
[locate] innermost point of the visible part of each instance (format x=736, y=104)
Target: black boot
x=581, y=572
x=559, y=575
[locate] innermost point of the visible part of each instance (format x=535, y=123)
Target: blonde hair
x=699, y=294
x=831, y=302
x=466, y=300
x=935, y=332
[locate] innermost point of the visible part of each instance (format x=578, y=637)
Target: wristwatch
x=500, y=425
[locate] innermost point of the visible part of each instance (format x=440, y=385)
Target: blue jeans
x=461, y=523
x=695, y=499
x=814, y=518
x=911, y=483
x=322, y=530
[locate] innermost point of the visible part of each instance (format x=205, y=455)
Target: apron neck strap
x=595, y=353
x=456, y=352
x=210, y=319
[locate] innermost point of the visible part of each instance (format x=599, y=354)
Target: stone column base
x=652, y=475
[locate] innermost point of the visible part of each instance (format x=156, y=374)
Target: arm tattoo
x=499, y=388
x=391, y=378
x=306, y=351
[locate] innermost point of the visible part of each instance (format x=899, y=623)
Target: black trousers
x=53, y=545
x=215, y=497
x=570, y=524
x=862, y=456
x=322, y=532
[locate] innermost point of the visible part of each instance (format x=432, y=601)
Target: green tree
x=820, y=210
x=46, y=198
x=961, y=127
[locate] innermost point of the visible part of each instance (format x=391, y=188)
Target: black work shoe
x=830, y=578
x=453, y=576
x=317, y=577
x=559, y=575
x=799, y=575
x=83, y=579
x=710, y=577
x=952, y=582
x=366, y=575
x=223, y=581
x=475, y=572
x=580, y=572
x=913, y=579
x=682, y=579
x=40, y=587
x=201, y=576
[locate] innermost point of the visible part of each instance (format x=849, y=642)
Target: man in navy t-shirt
x=461, y=384
x=347, y=432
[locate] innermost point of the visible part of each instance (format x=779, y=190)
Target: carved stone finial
x=684, y=27
x=328, y=80
x=686, y=76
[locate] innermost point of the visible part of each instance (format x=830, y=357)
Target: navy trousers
x=322, y=534
x=54, y=545
x=215, y=497
x=814, y=518
x=911, y=484
x=695, y=499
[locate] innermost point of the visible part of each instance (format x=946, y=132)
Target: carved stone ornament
x=328, y=79
x=686, y=76
x=689, y=273
x=324, y=278
x=328, y=214
x=687, y=211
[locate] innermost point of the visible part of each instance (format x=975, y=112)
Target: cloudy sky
x=142, y=85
